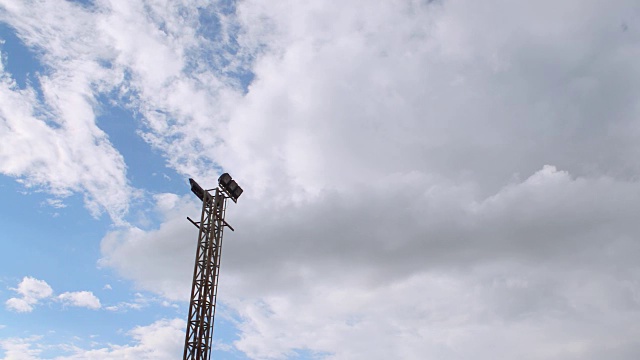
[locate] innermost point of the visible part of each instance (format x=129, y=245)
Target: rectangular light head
x=230, y=186
x=224, y=179
x=196, y=189
x=237, y=192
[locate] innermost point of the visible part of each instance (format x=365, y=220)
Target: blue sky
x=423, y=179
x=59, y=242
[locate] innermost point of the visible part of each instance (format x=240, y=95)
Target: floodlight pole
x=204, y=288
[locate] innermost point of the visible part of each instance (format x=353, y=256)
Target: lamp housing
x=224, y=179
x=237, y=192
x=196, y=189
x=230, y=186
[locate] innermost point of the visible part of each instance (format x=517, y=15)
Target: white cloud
x=52, y=139
x=19, y=305
x=20, y=349
x=31, y=291
x=393, y=158
x=88, y=52
x=56, y=203
x=161, y=340
x=139, y=302
x=118, y=247
x=452, y=273
x=33, y=288
x=166, y=201
x=80, y=299
x=171, y=243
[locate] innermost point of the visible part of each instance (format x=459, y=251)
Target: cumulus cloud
x=20, y=349
x=418, y=179
x=170, y=247
x=19, y=305
x=159, y=340
x=452, y=273
x=80, y=299
x=31, y=291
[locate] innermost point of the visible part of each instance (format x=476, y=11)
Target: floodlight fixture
x=230, y=186
x=224, y=179
x=237, y=192
x=196, y=189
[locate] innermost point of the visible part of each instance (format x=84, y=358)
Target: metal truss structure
x=204, y=288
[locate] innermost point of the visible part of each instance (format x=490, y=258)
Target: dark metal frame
x=204, y=289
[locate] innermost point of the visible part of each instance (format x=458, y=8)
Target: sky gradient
x=445, y=179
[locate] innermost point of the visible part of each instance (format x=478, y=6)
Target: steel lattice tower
x=206, y=271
